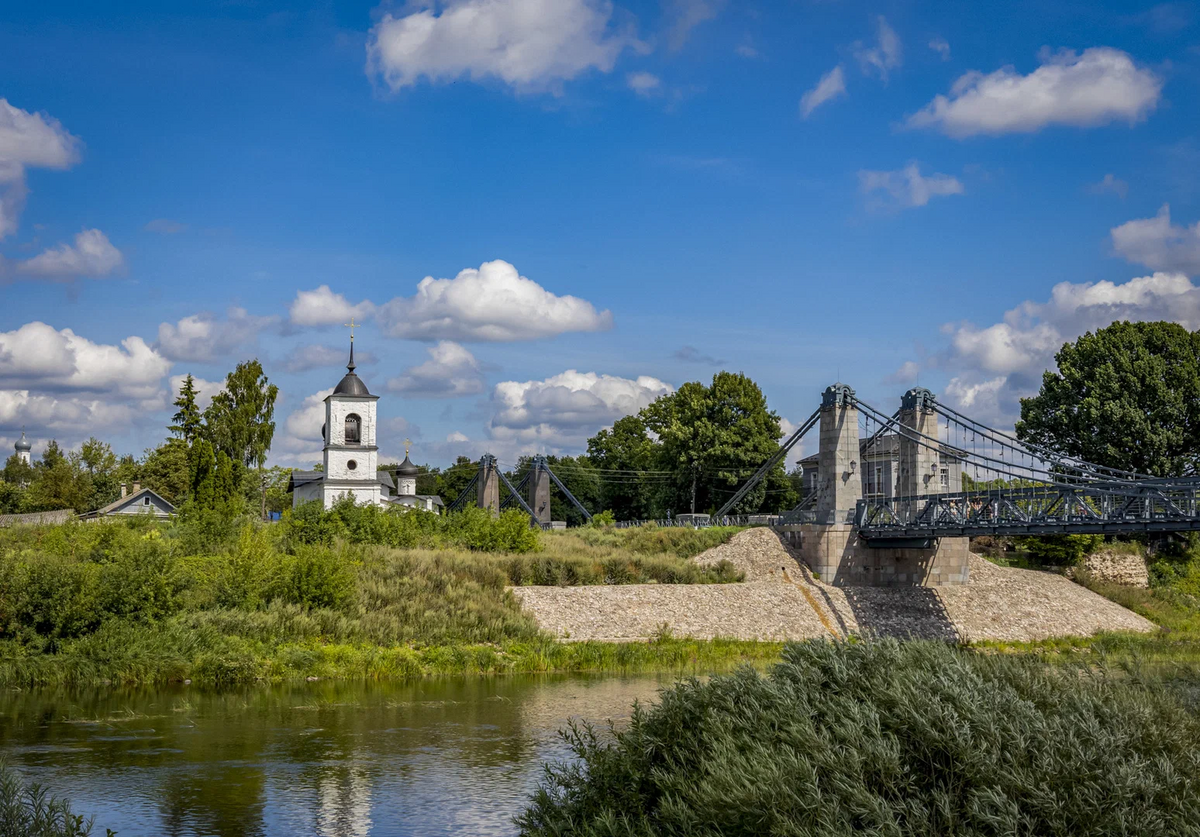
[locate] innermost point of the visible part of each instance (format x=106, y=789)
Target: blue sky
x=639, y=194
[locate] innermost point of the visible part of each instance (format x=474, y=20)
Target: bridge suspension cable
x=767, y=466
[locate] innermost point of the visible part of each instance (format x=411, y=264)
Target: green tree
x=189, y=421
x=96, y=467
x=454, y=479
x=204, y=475
x=240, y=419
x=167, y=470
x=621, y=453
x=713, y=439
x=57, y=484
x=18, y=472
x=1127, y=396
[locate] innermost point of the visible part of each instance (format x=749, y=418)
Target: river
x=432, y=757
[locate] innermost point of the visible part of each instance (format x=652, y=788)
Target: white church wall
x=407, y=487
x=306, y=493
x=365, y=496
x=335, y=417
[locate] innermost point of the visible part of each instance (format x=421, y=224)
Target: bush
x=888, y=739
x=28, y=811
x=1060, y=550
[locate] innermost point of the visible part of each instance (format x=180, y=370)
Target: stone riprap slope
x=781, y=600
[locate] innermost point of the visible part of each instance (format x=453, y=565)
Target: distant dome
x=407, y=469
x=22, y=444
x=351, y=384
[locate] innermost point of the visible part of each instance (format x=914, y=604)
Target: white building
x=351, y=455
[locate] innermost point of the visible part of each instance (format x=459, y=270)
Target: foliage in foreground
x=888, y=739
x=29, y=811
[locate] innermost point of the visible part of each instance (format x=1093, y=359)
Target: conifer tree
x=189, y=422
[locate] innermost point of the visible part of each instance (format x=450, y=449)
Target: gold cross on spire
x=352, y=325
x=406, y=444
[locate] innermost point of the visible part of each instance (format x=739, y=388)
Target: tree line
x=215, y=457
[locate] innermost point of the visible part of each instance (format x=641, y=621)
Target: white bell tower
x=350, y=451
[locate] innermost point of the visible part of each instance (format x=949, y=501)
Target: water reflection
x=445, y=756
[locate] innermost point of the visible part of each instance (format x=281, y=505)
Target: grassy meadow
x=352, y=593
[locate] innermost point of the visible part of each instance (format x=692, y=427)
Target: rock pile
x=1118, y=568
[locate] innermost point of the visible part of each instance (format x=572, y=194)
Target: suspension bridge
x=893, y=497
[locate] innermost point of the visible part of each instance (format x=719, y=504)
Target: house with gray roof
x=134, y=500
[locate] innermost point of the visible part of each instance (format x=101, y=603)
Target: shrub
x=29, y=811
x=1060, y=550
x=885, y=738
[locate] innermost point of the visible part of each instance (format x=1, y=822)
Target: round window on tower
x=351, y=464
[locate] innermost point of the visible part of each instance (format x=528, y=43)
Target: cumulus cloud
x=28, y=140
x=491, y=303
x=205, y=337
x=41, y=358
x=46, y=415
x=561, y=412
x=644, y=84
x=1099, y=86
x=831, y=85
x=885, y=56
x=1110, y=184
x=994, y=366
x=686, y=15
x=92, y=254
x=1158, y=244
x=302, y=441
x=941, y=47
x=450, y=372
x=531, y=45
x=905, y=188
x=316, y=356
x=323, y=307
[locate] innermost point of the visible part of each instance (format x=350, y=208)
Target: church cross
x=352, y=325
x=406, y=444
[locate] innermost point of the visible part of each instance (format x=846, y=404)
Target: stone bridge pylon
x=829, y=541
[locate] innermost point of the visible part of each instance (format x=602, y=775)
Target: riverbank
x=350, y=593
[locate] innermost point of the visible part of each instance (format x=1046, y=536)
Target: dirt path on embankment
x=781, y=600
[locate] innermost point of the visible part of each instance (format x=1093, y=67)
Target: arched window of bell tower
x=353, y=429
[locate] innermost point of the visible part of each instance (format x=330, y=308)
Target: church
x=351, y=456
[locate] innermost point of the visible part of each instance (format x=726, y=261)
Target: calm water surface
x=442, y=756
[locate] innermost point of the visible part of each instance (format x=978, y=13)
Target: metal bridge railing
x=725, y=520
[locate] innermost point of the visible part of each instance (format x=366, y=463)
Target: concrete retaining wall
x=838, y=556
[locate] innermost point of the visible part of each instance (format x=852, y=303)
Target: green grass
x=131, y=602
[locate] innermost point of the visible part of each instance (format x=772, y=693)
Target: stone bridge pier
x=488, y=487
x=831, y=545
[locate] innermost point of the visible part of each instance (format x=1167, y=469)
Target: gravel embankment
x=781, y=600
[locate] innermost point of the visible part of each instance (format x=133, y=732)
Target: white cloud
x=686, y=15
x=40, y=358
x=885, y=56
x=493, y=303
x=906, y=187
x=561, y=412
x=644, y=84
x=831, y=85
x=1158, y=244
x=302, y=442
x=44, y=416
x=994, y=366
x=531, y=45
x=204, y=337
x=28, y=140
x=450, y=372
x=316, y=356
x=92, y=254
x=941, y=47
x=1101, y=85
x=906, y=374
x=205, y=390
x=1110, y=183
x=323, y=307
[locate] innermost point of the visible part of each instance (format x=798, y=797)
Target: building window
x=352, y=465
x=353, y=429
x=146, y=500
x=945, y=475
